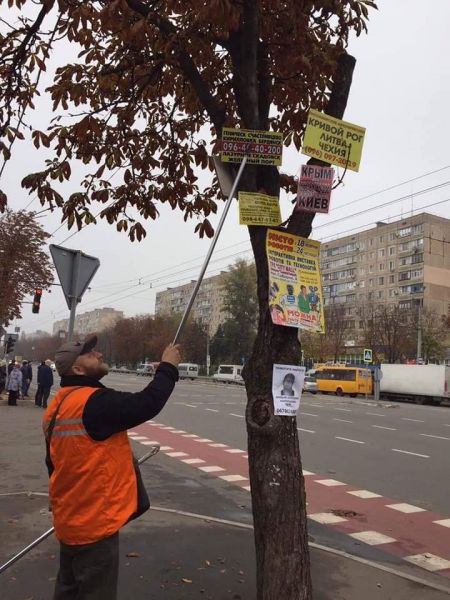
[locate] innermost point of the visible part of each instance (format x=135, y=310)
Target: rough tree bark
x=278, y=490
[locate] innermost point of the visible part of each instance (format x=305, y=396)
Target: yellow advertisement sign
x=333, y=141
x=295, y=289
x=260, y=147
x=258, y=209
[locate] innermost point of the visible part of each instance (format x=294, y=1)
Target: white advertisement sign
x=287, y=386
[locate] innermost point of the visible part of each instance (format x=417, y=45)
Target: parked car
x=231, y=373
x=146, y=370
x=188, y=371
x=310, y=385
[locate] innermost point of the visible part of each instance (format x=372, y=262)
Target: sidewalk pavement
x=168, y=554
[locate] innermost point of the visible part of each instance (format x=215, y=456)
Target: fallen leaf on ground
x=185, y=580
x=133, y=554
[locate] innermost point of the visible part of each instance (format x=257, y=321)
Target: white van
x=188, y=371
x=229, y=373
x=146, y=370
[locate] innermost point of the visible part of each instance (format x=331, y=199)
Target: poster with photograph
x=287, y=386
x=295, y=288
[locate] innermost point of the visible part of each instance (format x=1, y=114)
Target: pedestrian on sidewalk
x=46, y=375
x=95, y=485
x=14, y=385
x=27, y=376
x=38, y=394
x=2, y=376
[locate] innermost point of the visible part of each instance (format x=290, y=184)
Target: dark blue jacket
x=45, y=376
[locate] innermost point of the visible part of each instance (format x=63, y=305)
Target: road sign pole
x=74, y=299
x=210, y=251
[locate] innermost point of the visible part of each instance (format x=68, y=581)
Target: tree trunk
x=277, y=484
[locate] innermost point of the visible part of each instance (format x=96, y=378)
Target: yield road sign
x=75, y=271
x=367, y=355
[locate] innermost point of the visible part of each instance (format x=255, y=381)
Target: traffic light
x=37, y=300
x=10, y=341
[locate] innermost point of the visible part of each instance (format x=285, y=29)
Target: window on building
x=381, y=267
x=416, y=258
x=391, y=278
x=371, y=255
x=380, y=294
x=406, y=305
x=417, y=229
x=380, y=280
x=416, y=274
x=391, y=250
x=404, y=231
x=370, y=282
x=371, y=242
x=381, y=239
x=392, y=236
x=370, y=268
x=392, y=293
x=404, y=276
x=362, y=283
x=381, y=253
x=370, y=296
x=391, y=265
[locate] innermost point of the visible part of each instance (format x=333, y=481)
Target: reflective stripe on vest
x=93, y=489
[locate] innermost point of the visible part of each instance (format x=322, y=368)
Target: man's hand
x=172, y=355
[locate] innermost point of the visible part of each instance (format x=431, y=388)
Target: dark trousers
x=41, y=397
x=12, y=398
x=88, y=571
x=38, y=395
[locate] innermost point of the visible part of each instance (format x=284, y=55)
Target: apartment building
x=91, y=321
x=404, y=263
x=207, y=307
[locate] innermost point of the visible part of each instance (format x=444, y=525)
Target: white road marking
x=305, y=472
x=203, y=440
x=212, y=409
x=150, y=443
x=193, y=461
x=365, y=494
x=437, y=437
x=232, y=477
x=414, y=420
x=235, y=451
x=164, y=448
x=189, y=435
x=349, y=440
x=177, y=454
x=343, y=409
x=372, y=538
x=138, y=438
x=443, y=522
x=218, y=446
x=234, y=415
x=428, y=561
x=326, y=518
x=329, y=482
x=246, y=487
x=343, y=420
x=405, y=508
x=308, y=414
x=381, y=427
x=375, y=414
x=190, y=405
x=305, y=430
x=316, y=405
x=211, y=469
x=411, y=453
x=178, y=431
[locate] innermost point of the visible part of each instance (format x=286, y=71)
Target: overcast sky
x=400, y=93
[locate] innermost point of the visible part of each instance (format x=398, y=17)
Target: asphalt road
x=398, y=450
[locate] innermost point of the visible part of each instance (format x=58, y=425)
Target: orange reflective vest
x=93, y=489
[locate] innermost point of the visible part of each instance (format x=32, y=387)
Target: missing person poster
x=287, y=386
x=295, y=289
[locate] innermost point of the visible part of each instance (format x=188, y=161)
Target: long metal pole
x=74, y=299
x=18, y=556
x=210, y=251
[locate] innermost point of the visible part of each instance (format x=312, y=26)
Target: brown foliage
x=23, y=264
x=148, y=78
